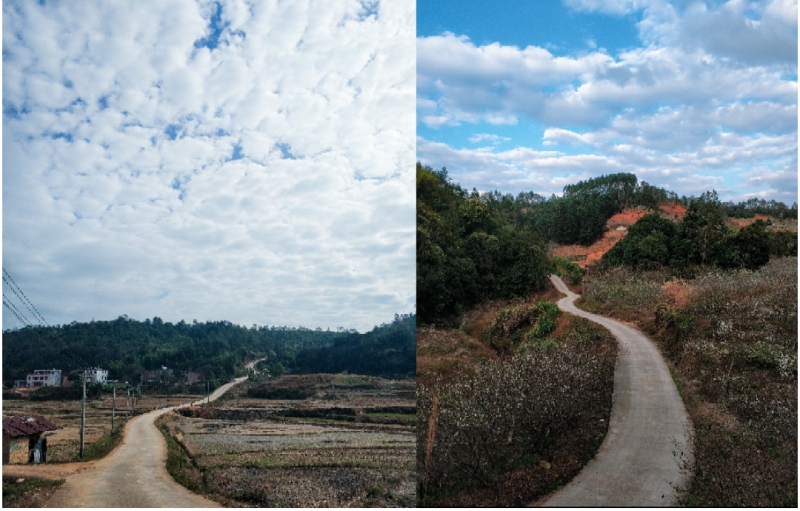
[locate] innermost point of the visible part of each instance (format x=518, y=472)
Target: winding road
x=135, y=473
x=638, y=463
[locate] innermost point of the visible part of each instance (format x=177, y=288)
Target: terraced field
x=348, y=444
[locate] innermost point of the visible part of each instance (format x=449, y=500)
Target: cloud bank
x=247, y=161
x=708, y=99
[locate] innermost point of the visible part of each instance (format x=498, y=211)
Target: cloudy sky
x=689, y=95
x=247, y=161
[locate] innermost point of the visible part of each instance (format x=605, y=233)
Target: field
x=63, y=445
x=731, y=340
x=347, y=440
x=507, y=415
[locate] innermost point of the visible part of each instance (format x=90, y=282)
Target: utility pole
x=83, y=413
x=113, y=407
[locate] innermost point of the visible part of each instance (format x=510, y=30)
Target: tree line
x=389, y=350
x=701, y=238
x=128, y=347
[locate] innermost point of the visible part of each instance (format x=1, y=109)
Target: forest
x=389, y=350
x=215, y=349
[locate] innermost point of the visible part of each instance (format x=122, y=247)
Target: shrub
x=507, y=329
x=505, y=414
x=568, y=270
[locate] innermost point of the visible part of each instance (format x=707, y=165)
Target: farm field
x=346, y=440
x=63, y=444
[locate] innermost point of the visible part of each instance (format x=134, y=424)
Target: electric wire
x=10, y=307
x=63, y=349
x=36, y=314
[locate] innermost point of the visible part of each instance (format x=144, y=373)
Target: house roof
x=25, y=426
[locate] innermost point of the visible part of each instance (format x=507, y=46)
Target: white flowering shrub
x=504, y=415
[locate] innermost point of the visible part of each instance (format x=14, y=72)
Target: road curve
x=637, y=463
x=135, y=473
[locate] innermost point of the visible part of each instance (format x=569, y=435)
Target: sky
x=202, y=160
x=689, y=95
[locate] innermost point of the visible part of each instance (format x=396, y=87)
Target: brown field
x=63, y=445
x=351, y=443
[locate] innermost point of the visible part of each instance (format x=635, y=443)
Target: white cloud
x=119, y=183
x=711, y=92
x=491, y=138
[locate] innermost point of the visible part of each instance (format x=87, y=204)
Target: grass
x=27, y=493
x=105, y=444
x=180, y=464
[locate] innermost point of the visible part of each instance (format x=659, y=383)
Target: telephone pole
x=83, y=412
x=113, y=407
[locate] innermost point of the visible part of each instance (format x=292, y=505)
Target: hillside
x=216, y=350
x=388, y=350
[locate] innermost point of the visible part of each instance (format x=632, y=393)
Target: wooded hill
x=473, y=246
x=216, y=349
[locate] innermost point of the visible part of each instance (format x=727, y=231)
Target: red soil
x=627, y=218
x=675, y=211
x=583, y=256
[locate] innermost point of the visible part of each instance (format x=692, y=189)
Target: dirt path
x=134, y=474
x=637, y=464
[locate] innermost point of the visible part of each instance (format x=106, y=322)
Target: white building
x=97, y=375
x=44, y=378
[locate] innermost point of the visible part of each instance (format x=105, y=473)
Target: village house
x=193, y=377
x=96, y=375
x=44, y=378
x=23, y=440
x=163, y=375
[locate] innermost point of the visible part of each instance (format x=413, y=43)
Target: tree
x=702, y=228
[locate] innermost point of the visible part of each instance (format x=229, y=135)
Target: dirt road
x=134, y=474
x=637, y=464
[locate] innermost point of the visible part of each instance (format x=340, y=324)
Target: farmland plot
x=347, y=444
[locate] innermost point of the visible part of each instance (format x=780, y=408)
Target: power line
x=36, y=314
x=10, y=306
x=63, y=349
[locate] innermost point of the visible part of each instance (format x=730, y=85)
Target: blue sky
x=688, y=95
x=192, y=159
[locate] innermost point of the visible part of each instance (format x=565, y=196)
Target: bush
x=507, y=329
x=505, y=414
x=568, y=270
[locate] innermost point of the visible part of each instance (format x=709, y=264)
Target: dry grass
x=732, y=337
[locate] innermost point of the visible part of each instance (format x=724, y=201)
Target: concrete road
x=637, y=464
x=134, y=474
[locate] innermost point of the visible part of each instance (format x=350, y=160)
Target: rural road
x=135, y=473
x=637, y=464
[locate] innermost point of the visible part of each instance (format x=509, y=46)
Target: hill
x=215, y=349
